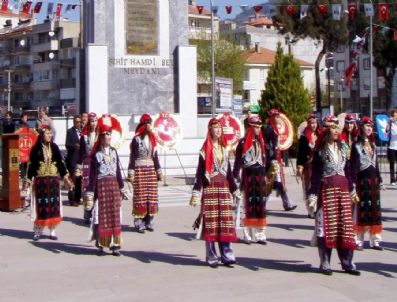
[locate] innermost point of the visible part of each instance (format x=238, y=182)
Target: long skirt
x=145, y=199
x=368, y=210
x=217, y=211
x=47, y=201
x=109, y=204
x=254, y=191
x=335, y=215
x=85, y=173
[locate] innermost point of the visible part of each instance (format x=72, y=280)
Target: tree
x=319, y=27
x=228, y=62
x=284, y=89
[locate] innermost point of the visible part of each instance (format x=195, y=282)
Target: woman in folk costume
x=250, y=156
x=213, y=187
x=107, y=189
x=366, y=176
x=349, y=132
x=45, y=169
x=332, y=193
x=306, y=144
x=89, y=136
x=274, y=164
x=144, y=172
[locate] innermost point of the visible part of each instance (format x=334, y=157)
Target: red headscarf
x=328, y=122
x=208, y=147
x=254, y=121
x=272, y=114
x=344, y=136
x=144, y=121
x=366, y=120
x=85, y=130
x=309, y=132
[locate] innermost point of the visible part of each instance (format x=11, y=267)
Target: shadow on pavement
x=76, y=221
x=174, y=259
x=284, y=214
x=297, y=243
x=389, y=218
x=291, y=227
x=383, y=269
x=59, y=247
x=389, y=210
x=20, y=234
x=183, y=236
x=279, y=265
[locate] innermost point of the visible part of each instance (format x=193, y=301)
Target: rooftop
x=266, y=56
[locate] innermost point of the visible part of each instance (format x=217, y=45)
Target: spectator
x=23, y=121
x=8, y=124
x=73, y=150
x=84, y=119
x=44, y=120
x=392, y=149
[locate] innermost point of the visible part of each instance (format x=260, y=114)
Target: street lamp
x=9, y=71
x=341, y=81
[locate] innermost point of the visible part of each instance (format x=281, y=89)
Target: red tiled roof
x=11, y=14
x=266, y=56
x=193, y=10
x=261, y=21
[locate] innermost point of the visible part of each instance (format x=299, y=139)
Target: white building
x=258, y=64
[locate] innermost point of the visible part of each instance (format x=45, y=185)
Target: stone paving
x=168, y=264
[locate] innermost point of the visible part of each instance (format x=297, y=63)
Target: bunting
x=26, y=7
x=37, y=7
x=229, y=9
x=4, y=5
x=383, y=11
x=59, y=9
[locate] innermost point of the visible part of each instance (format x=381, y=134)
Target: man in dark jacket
x=8, y=124
x=73, y=146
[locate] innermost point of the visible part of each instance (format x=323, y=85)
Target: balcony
x=45, y=47
x=21, y=86
x=68, y=62
x=50, y=65
x=44, y=85
x=24, y=67
x=20, y=50
x=68, y=83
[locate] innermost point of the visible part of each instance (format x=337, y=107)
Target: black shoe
x=87, y=221
x=150, y=229
x=229, y=263
x=141, y=230
x=291, y=208
x=327, y=272
x=377, y=248
x=263, y=242
x=353, y=272
x=311, y=216
x=101, y=252
x=116, y=253
x=53, y=237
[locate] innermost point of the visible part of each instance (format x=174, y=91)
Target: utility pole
x=9, y=89
x=213, y=103
x=371, y=43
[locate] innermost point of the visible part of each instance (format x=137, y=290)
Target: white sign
x=249, y=85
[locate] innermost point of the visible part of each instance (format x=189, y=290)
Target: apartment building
x=41, y=63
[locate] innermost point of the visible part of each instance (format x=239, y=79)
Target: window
x=262, y=74
x=340, y=66
x=366, y=64
x=340, y=49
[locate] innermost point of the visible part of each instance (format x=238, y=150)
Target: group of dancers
x=339, y=172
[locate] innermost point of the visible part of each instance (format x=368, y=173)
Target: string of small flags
x=35, y=7
x=270, y=10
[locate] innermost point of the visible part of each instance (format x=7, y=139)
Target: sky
x=235, y=3
x=75, y=15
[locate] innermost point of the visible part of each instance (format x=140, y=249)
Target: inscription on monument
x=142, y=27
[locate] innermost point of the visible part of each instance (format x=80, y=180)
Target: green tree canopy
x=284, y=89
x=320, y=27
x=228, y=62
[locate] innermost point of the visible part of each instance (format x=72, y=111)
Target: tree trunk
x=318, y=82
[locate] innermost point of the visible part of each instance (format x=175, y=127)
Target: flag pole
x=371, y=101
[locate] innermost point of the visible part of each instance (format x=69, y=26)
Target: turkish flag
x=4, y=6
x=26, y=7
x=257, y=8
x=349, y=73
x=59, y=9
x=322, y=8
x=200, y=9
x=352, y=8
x=290, y=9
x=229, y=9
x=37, y=7
x=383, y=11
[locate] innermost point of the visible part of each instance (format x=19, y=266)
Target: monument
x=138, y=59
